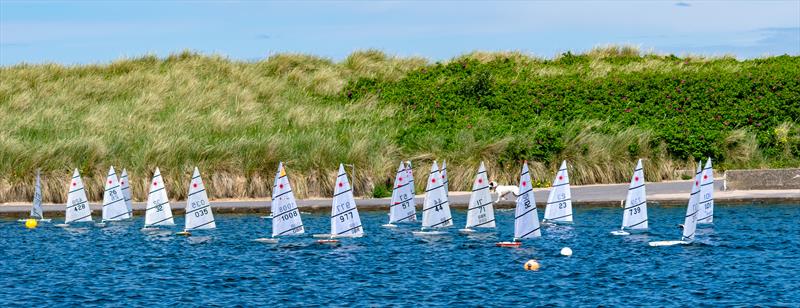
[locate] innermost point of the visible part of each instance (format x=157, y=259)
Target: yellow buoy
x=532, y=265
x=31, y=223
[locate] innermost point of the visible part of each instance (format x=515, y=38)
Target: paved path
x=663, y=193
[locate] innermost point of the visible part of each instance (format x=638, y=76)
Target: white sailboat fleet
x=526, y=217
x=158, y=211
x=402, y=207
x=634, y=215
x=436, y=207
x=480, y=209
x=345, y=221
x=285, y=215
x=559, y=202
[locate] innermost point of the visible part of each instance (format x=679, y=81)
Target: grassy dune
x=236, y=120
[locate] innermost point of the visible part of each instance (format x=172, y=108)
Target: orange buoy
x=532, y=265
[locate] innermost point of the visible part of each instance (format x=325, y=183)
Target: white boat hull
x=389, y=226
x=267, y=240
x=347, y=236
x=668, y=243
x=38, y=220
x=620, y=232
x=266, y=217
x=321, y=236
x=466, y=230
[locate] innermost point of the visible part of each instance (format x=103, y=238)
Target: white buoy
x=566, y=251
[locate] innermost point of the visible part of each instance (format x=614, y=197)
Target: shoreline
x=673, y=193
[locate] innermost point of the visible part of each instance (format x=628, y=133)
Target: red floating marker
x=508, y=244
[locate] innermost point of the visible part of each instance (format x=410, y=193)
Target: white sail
x=401, y=208
x=690, y=221
x=158, y=211
x=285, y=215
x=559, y=202
x=634, y=216
x=36, y=208
x=526, y=217
x=436, y=207
x=412, y=190
x=198, y=208
x=480, y=212
x=78, y=209
x=705, y=212
x=345, y=221
x=445, y=179
x=113, y=201
x=126, y=191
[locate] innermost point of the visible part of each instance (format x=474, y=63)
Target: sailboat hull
x=267, y=240
x=508, y=244
x=668, y=243
x=620, y=232
x=38, y=220
x=389, y=226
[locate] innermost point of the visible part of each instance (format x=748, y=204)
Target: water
x=748, y=257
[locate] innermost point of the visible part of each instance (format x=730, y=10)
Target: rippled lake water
x=751, y=255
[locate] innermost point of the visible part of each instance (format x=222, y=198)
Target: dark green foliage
x=381, y=191
x=690, y=104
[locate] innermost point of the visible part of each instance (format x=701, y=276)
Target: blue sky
x=98, y=32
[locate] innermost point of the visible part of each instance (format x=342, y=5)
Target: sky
x=82, y=32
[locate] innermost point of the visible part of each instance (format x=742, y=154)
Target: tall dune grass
x=236, y=120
